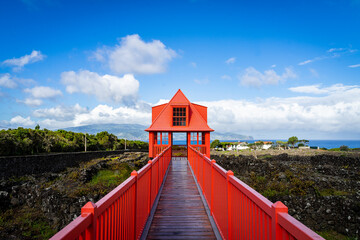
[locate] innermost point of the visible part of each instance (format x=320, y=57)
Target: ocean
x=313, y=143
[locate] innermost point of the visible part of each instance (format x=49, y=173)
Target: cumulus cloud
x=60, y=113
x=19, y=63
x=133, y=55
x=254, y=78
x=335, y=114
x=105, y=88
x=33, y=102
x=230, y=60
x=22, y=122
x=43, y=92
x=7, y=81
x=61, y=117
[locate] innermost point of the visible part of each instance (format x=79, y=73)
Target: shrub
x=344, y=148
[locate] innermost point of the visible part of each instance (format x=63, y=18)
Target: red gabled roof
x=163, y=121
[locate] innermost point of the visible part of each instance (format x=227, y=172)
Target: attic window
x=179, y=116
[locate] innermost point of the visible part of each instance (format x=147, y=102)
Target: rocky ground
x=320, y=188
x=37, y=206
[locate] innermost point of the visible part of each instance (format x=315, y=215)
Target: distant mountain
x=229, y=136
x=128, y=131
x=137, y=132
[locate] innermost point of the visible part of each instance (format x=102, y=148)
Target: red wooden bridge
x=183, y=197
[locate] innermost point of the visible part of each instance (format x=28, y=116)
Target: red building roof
x=162, y=116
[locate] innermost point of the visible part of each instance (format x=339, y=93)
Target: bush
x=344, y=148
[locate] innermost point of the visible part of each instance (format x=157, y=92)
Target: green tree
x=24, y=141
x=255, y=146
x=37, y=127
x=215, y=143
x=304, y=142
x=344, y=148
x=293, y=140
x=282, y=144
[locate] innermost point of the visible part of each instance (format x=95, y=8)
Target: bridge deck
x=180, y=213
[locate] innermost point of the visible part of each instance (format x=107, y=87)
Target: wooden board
x=180, y=213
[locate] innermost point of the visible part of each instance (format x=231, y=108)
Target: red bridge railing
x=121, y=214
x=238, y=210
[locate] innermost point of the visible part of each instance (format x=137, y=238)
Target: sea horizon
x=312, y=143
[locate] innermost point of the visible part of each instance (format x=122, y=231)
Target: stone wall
x=321, y=191
x=55, y=199
x=16, y=166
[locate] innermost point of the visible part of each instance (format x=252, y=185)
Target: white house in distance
x=267, y=144
x=237, y=146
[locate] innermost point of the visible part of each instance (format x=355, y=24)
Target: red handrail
x=238, y=210
x=122, y=213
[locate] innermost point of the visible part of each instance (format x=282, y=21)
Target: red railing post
x=203, y=176
x=150, y=177
x=228, y=174
x=276, y=208
x=135, y=174
x=212, y=187
x=90, y=208
x=158, y=174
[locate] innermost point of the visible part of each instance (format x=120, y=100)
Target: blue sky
x=266, y=69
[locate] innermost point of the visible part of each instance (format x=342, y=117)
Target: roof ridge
x=167, y=104
x=191, y=104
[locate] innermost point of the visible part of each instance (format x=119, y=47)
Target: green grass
x=104, y=181
x=106, y=177
x=333, y=235
x=30, y=222
x=332, y=192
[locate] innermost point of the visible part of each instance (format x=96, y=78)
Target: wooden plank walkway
x=180, y=213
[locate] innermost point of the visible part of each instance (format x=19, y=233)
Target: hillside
x=128, y=131
x=137, y=132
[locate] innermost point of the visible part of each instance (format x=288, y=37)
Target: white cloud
x=43, y=92
x=60, y=113
x=311, y=60
x=193, y=64
x=61, y=117
x=22, y=122
x=331, y=53
x=133, y=55
x=7, y=81
x=105, y=88
x=201, y=81
x=273, y=66
x=314, y=73
x=254, y=78
x=226, y=77
x=335, y=114
x=335, y=50
x=33, y=102
x=20, y=62
x=230, y=60
x=354, y=66
x=308, y=89
x=341, y=50
x=316, y=89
